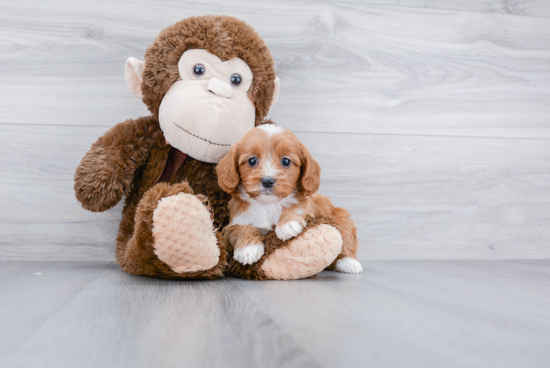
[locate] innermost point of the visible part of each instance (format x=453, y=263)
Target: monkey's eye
x=285, y=161
x=199, y=70
x=236, y=79
x=252, y=161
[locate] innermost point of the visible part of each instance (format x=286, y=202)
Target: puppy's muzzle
x=267, y=182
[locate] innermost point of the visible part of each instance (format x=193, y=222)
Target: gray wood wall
x=431, y=119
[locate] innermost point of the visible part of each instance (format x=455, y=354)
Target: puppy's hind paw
x=348, y=265
x=288, y=230
x=249, y=254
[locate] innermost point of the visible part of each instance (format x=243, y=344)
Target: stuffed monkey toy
x=207, y=81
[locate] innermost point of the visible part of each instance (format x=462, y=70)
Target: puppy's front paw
x=249, y=254
x=348, y=265
x=288, y=230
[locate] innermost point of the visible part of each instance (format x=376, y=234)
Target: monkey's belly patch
x=183, y=234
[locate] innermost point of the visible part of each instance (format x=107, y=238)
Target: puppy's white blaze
x=288, y=230
x=269, y=167
x=271, y=129
x=348, y=265
x=249, y=254
x=260, y=214
x=300, y=211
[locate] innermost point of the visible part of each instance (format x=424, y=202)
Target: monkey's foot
x=305, y=256
x=183, y=234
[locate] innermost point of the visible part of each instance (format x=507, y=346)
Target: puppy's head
x=268, y=164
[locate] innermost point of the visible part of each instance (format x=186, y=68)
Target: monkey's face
x=208, y=109
x=204, y=104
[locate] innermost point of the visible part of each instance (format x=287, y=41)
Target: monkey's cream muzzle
x=204, y=115
x=217, y=87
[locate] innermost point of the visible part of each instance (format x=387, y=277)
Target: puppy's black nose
x=267, y=182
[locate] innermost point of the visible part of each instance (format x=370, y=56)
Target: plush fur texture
x=306, y=255
x=178, y=241
x=285, y=205
x=223, y=36
x=129, y=158
x=127, y=161
x=303, y=257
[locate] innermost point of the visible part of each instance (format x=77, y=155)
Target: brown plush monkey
x=207, y=81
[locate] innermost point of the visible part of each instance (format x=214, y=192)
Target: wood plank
x=440, y=198
x=396, y=314
x=345, y=67
x=418, y=314
x=32, y=292
x=412, y=197
x=534, y=8
x=128, y=321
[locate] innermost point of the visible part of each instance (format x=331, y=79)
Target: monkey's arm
x=106, y=172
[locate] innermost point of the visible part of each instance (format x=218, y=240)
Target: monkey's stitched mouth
x=202, y=139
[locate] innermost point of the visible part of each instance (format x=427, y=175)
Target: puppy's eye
x=199, y=70
x=285, y=161
x=236, y=79
x=252, y=161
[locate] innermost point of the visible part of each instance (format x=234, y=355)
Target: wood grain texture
x=418, y=314
x=534, y=8
x=31, y=292
x=412, y=197
x=345, y=67
x=126, y=321
x=431, y=125
x=396, y=314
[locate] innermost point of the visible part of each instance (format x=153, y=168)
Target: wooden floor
x=395, y=314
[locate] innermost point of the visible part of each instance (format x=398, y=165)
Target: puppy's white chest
x=260, y=215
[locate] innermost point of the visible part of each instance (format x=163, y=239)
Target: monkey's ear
x=276, y=91
x=133, y=71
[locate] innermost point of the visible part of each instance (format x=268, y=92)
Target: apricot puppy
x=273, y=181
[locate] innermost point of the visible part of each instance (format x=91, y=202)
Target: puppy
x=273, y=181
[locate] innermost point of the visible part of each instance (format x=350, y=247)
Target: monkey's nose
x=219, y=88
x=267, y=182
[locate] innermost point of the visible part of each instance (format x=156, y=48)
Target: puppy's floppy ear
x=228, y=171
x=311, y=173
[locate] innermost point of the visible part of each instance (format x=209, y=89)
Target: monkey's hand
x=106, y=172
